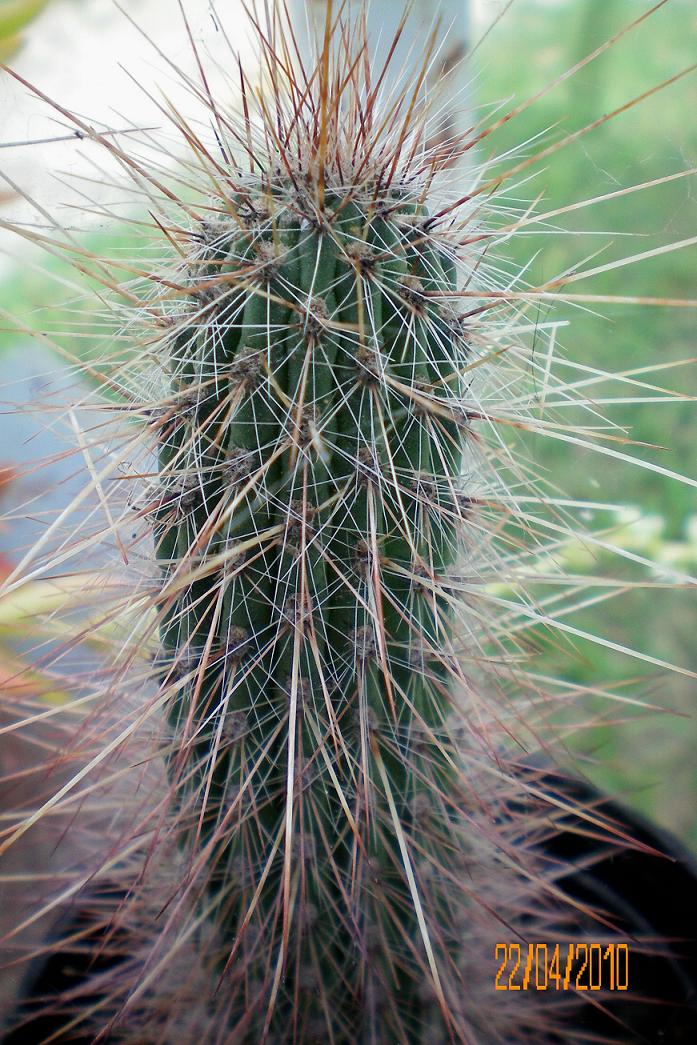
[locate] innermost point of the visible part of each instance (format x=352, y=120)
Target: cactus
x=337, y=825
x=311, y=503
x=310, y=506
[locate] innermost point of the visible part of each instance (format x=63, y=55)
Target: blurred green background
x=651, y=760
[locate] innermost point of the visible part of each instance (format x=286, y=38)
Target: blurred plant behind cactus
x=337, y=835
x=647, y=759
x=15, y=15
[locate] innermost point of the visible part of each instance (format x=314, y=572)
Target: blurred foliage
x=15, y=15
x=652, y=760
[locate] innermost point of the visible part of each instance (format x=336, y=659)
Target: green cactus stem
x=310, y=502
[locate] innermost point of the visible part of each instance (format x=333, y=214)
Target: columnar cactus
x=338, y=831
x=310, y=505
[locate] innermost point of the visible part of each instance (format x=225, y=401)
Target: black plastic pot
x=648, y=891
x=43, y=1012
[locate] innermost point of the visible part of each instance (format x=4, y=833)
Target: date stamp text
x=561, y=967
